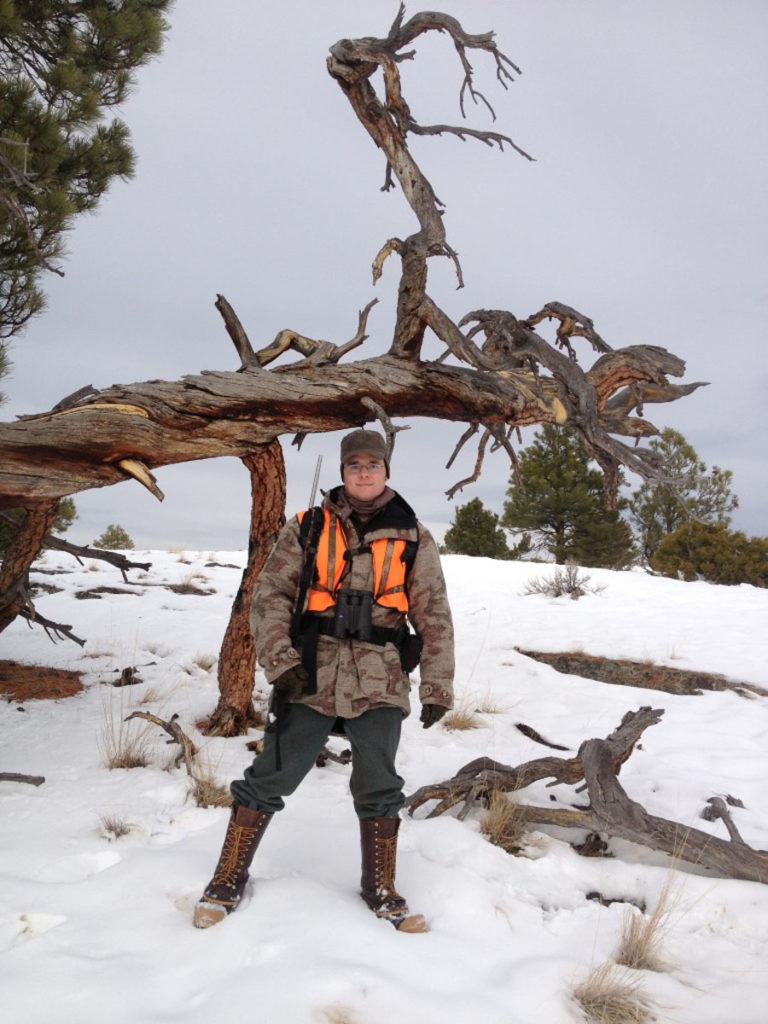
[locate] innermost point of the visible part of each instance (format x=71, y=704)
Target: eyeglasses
x=358, y=467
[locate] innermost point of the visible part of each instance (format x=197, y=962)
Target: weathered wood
x=171, y=726
x=234, y=712
x=611, y=811
x=32, y=780
x=512, y=378
x=46, y=456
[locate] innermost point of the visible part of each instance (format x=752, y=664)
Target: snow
x=94, y=927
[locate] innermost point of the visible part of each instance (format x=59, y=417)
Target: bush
x=114, y=538
x=712, y=552
x=563, y=583
x=476, y=531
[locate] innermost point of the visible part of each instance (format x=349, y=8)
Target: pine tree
x=475, y=531
x=62, y=66
x=712, y=552
x=695, y=494
x=562, y=501
x=114, y=538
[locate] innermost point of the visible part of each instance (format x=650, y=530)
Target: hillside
x=95, y=927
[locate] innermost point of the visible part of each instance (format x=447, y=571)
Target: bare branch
x=489, y=138
x=70, y=401
x=716, y=808
x=390, y=429
x=80, y=551
x=360, y=336
x=53, y=629
x=471, y=429
x=236, y=331
x=188, y=749
x=478, y=466
x=572, y=325
x=390, y=246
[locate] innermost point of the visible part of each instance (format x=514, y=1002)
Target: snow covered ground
x=94, y=928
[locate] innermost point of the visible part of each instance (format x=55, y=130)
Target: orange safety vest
x=388, y=568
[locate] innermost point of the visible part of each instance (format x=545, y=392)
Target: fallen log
x=610, y=810
x=32, y=780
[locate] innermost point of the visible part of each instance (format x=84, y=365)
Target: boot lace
x=236, y=843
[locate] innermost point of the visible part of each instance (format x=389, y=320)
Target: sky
x=97, y=927
x=645, y=209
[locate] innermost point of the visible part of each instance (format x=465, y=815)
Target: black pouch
x=352, y=617
x=410, y=651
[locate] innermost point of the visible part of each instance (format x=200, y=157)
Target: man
x=329, y=617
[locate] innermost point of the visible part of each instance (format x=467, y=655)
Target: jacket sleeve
x=273, y=602
x=430, y=614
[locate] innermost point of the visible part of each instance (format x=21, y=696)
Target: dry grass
x=113, y=827
x=642, y=935
x=206, y=790
x=460, y=719
x=503, y=823
x=150, y=696
x=488, y=705
x=338, y=1014
x=608, y=995
x=122, y=744
x=205, y=661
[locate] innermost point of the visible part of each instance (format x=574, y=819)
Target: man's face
x=365, y=476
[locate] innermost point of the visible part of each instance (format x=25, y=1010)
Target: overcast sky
x=645, y=209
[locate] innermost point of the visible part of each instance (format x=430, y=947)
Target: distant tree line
x=678, y=528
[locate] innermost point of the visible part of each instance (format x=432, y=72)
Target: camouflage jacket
x=353, y=676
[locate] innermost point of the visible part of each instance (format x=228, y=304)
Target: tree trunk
x=19, y=556
x=237, y=658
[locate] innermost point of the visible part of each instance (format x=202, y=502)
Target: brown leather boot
x=226, y=888
x=378, y=841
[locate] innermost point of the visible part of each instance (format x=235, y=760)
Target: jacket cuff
x=280, y=662
x=433, y=693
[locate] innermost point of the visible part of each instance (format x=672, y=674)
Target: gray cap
x=364, y=441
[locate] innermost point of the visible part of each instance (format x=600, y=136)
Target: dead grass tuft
x=487, y=704
x=122, y=744
x=150, y=696
x=339, y=1014
x=460, y=719
x=642, y=935
x=113, y=827
x=608, y=995
x=503, y=822
x=205, y=661
x=207, y=791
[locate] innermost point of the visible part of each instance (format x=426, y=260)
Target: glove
x=293, y=678
x=431, y=713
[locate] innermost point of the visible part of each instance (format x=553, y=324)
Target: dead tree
x=496, y=372
x=610, y=810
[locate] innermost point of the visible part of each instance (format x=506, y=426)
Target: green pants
x=377, y=789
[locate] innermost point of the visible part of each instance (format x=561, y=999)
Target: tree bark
x=19, y=556
x=234, y=712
